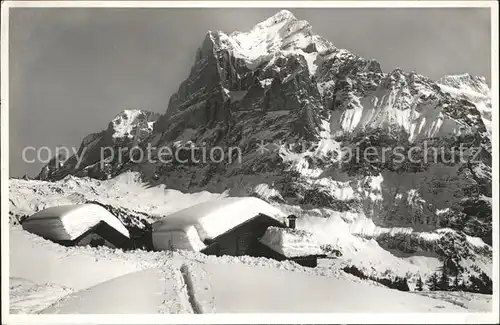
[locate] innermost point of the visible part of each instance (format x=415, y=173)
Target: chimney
x=291, y=221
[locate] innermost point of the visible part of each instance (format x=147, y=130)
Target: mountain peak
x=466, y=81
x=280, y=17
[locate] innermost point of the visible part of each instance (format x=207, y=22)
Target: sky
x=73, y=69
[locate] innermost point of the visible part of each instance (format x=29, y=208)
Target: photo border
x=304, y=318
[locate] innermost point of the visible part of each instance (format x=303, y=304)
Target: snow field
x=143, y=292
x=65, y=266
x=27, y=297
x=101, y=280
x=291, y=243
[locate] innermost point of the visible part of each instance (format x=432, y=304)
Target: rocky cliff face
x=298, y=108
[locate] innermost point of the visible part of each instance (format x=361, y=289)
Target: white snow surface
x=141, y=292
x=214, y=287
x=270, y=290
x=189, y=228
x=68, y=222
x=291, y=242
x=41, y=261
x=472, y=301
x=125, y=191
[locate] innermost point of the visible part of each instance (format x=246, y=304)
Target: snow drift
x=291, y=242
x=68, y=222
x=277, y=291
x=142, y=292
x=189, y=228
x=100, y=280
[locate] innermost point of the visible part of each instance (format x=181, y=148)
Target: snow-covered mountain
x=473, y=89
x=280, y=84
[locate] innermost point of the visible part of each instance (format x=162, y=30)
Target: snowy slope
x=125, y=192
x=357, y=238
x=133, y=123
x=271, y=290
x=307, y=100
x=106, y=282
x=281, y=33
x=150, y=291
x=265, y=290
x=126, y=130
x=68, y=267
x=474, y=89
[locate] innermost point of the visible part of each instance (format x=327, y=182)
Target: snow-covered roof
x=68, y=222
x=130, y=121
x=291, y=242
x=189, y=228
